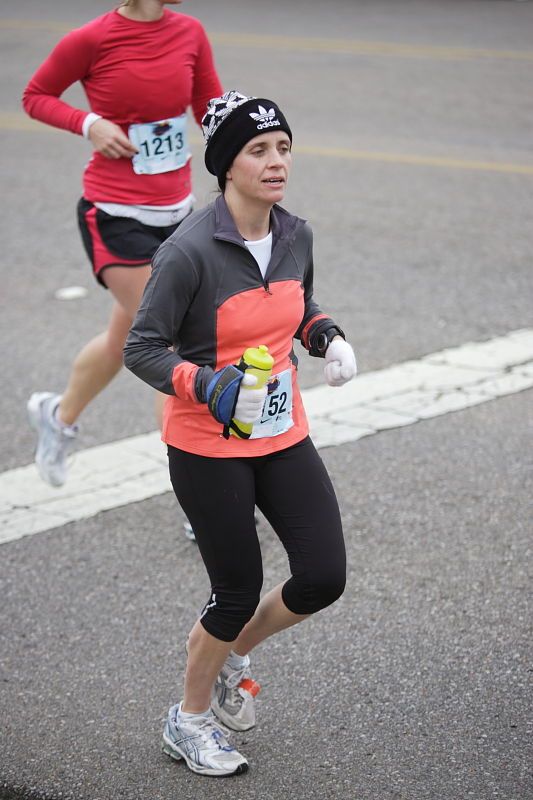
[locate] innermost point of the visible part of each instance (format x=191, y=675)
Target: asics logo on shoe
x=265, y=119
x=216, y=735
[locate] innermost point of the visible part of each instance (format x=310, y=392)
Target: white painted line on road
x=71, y=293
x=135, y=469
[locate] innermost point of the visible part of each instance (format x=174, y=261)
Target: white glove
x=341, y=366
x=250, y=401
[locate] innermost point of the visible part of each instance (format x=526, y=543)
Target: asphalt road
x=413, y=162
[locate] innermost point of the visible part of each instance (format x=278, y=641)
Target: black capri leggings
x=293, y=490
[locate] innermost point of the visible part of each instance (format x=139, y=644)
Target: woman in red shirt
x=141, y=66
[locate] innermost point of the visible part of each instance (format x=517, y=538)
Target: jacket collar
x=282, y=224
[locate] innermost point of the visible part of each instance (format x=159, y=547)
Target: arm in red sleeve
x=68, y=63
x=206, y=81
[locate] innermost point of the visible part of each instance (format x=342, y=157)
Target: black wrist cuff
x=321, y=337
x=201, y=382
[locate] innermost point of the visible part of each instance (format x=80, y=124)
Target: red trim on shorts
x=102, y=257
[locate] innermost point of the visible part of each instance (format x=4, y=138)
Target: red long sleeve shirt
x=132, y=72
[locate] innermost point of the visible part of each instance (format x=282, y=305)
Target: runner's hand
x=250, y=401
x=110, y=140
x=341, y=365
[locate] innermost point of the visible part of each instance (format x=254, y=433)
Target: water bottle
x=255, y=361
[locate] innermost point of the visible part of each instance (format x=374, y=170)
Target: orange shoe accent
x=249, y=685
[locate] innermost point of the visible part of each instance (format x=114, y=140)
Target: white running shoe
x=55, y=442
x=233, y=699
x=203, y=744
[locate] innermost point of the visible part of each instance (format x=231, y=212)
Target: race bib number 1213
x=163, y=145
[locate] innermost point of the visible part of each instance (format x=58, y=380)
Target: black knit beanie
x=231, y=121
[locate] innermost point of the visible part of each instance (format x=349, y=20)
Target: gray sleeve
x=311, y=308
x=167, y=296
x=314, y=321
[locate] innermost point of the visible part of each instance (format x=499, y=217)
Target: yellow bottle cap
x=258, y=357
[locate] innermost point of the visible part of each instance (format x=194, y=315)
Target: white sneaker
x=203, y=744
x=55, y=442
x=234, y=694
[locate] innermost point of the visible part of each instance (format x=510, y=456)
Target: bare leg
x=207, y=654
x=95, y=366
x=101, y=359
x=271, y=616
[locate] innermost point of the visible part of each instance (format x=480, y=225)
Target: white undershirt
x=156, y=216
x=261, y=249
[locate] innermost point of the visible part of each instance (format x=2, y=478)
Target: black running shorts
x=117, y=241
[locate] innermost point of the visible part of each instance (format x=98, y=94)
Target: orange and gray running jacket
x=205, y=303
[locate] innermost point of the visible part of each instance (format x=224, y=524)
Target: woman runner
x=236, y=274
x=141, y=66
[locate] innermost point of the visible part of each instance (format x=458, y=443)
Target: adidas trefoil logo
x=265, y=119
x=264, y=115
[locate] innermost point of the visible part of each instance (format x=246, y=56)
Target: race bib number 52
x=277, y=411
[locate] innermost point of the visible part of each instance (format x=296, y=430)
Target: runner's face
x=261, y=170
